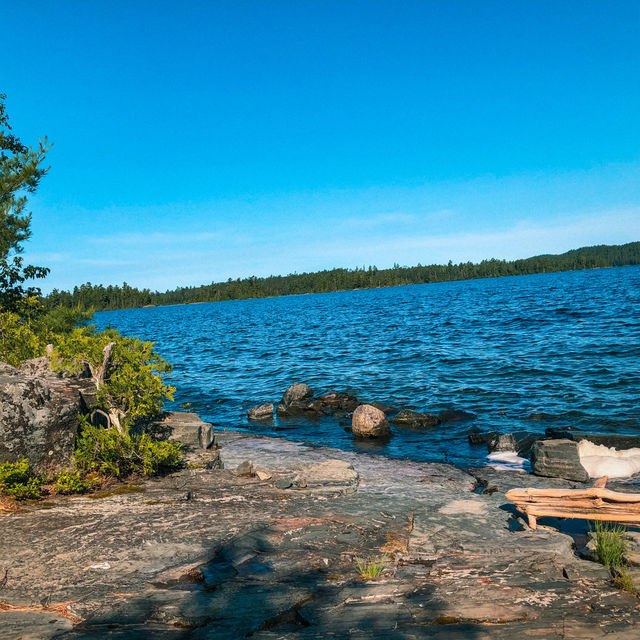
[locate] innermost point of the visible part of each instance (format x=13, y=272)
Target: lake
x=522, y=353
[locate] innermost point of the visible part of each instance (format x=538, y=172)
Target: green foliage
x=18, y=342
x=119, y=455
x=71, y=482
x=372, y=568
x=18, y=481
x=610, y=544
x=128, y=381
x=99, y=297
x=20, y=172
x=59, y=321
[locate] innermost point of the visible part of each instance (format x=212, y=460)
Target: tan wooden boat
x=596, y=503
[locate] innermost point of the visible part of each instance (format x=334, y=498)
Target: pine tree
x=20, y=172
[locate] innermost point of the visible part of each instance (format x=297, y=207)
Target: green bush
x=70, y=482
x=126, y=372
x=18, y=481
x=610, y=544
x=17, y=341
x=119, y=455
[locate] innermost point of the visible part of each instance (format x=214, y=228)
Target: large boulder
x=558, y=459
x=369, y=422
x=408, y=419
x=39, y=416
x=296, y=399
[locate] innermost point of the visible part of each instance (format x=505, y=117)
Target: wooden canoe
x=596, y=503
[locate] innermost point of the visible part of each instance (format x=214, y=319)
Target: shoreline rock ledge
x=209, y=553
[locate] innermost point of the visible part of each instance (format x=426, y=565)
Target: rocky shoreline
x=214, y=552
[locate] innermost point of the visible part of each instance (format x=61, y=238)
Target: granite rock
x=369, y=422
x=558, y=459
x=519, y=442
x=296, y=399
x=39, y=417
x=262, y=412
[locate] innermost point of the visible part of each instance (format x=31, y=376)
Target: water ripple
x=563, y=347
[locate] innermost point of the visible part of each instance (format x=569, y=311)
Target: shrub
x=126, y=372
x=18, y=481
x=373, y=568
x=68, y=483
x=17, y=341
x=119, y=455
x=610, y=544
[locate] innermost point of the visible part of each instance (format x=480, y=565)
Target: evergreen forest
x=99, y=297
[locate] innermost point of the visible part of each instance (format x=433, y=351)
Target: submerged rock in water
x=518, y=441
x=369, y=422
x=385, y=408
x=480, y=437
x=414, y=420
x=262, y=412
x=334, y=401
x=456, y=415
x=558, y=459
x=296, y=399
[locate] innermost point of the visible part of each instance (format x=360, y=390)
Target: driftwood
x=596, y=503
x=95, y=412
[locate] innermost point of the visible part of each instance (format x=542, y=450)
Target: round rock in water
x=369, y=422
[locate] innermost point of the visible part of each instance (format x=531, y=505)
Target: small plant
x=372, y=568
x=18, y=481
x=118, y=455
x=610, y=544
x=70, y=482
x=624, y=581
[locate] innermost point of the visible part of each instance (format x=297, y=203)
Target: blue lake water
x=527, y=352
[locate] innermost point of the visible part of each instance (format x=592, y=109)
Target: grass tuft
x=610, y=544
x=372, y=568
x=624, y=581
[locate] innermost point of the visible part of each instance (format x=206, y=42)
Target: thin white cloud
x=155, y=238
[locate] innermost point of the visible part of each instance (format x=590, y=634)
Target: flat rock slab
x=206, y=553
x=33, y=625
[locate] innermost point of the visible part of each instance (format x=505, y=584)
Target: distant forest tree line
x=99, y=297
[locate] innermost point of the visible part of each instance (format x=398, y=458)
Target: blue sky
x=197, y=141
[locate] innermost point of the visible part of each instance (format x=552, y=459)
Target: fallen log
x=596, y=503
